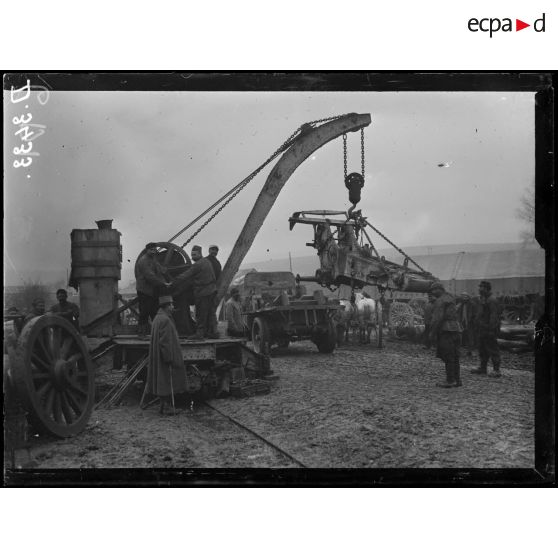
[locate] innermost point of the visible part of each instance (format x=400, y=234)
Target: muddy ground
x=360, y=407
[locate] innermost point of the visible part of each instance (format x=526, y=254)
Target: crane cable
x=395, y=246
x=233, y=192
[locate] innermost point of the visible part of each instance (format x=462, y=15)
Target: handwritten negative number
x=22, y=163
x=20, y=120
x=21, y=150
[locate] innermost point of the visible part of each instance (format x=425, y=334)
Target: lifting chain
x=233, y=192
x=354, y=182
x=362, y=152
x=362, y=170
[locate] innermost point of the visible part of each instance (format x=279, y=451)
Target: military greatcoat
x=166, y=371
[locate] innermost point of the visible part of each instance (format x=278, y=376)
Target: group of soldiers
x=196, y=286
x=63, y=308
x=475, y=321
x=167, y=303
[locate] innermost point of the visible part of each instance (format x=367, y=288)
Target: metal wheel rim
x=54, y=376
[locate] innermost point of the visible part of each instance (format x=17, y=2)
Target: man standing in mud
x=488, y=327
x=445, y=331
x=166, y=374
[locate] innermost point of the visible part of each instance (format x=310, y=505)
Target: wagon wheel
x=511, y=314
x=401, y=315
x=328, y=339
x=261, y=337
x=171, y=256
x=54, y=376
x=417, y=306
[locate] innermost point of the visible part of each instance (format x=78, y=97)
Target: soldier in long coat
x=166, y=373
x=445, y=331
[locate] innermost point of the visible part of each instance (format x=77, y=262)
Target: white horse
x=361, y=315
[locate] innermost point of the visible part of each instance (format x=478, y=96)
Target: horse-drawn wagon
x=277, y=313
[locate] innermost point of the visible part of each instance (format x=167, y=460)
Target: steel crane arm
x=309, y=140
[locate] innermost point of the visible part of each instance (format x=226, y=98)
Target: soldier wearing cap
x=65, y=309
x=38, y=309
x=166, y=373
x=215, y=263
x=233, y=315
x=150, y=282
x=488, y=327
x=445, y=331
x=202, y=278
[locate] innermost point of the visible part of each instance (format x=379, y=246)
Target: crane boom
x=309, y=140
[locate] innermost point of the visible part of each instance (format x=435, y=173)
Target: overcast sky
x=152, y=161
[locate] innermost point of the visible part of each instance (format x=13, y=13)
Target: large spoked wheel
x=172, y=257
x=261, y=337
x=327, y=340
x=54, y=376
x=401, y=315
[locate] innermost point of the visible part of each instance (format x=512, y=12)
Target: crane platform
x=129, y=349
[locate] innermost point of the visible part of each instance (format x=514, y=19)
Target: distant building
x=511, y=272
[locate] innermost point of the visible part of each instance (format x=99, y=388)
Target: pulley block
x=354, y=182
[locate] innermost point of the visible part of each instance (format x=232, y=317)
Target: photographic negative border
x=543, y=474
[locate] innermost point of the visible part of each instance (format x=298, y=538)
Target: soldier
x=202, y=278
x=488, y=327
x=215, y=263
x=233, y=315
x=150, y=281
x=65, y=309
x=428, y=309
x=166, y=374
x=38, y=309
x=445, y=331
